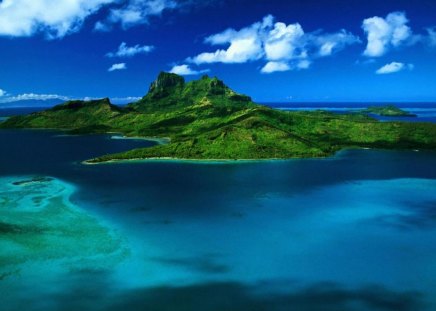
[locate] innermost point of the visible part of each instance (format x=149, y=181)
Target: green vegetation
x=205, y=119
x=388, y=111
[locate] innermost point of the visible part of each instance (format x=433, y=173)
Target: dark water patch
x=203, y=264
x=164, y=222
x=418, y=216
x=226, y=296
x=8, y=228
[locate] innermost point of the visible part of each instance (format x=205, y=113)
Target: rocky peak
x=166, y=81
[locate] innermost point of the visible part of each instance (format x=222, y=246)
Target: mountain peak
x=165, y=83
x=170, y=90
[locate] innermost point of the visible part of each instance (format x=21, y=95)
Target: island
x=206, y=120
x=388, y=111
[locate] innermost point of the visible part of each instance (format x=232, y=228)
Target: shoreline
x=159, y=140
x=206, y=161
x=238, y=161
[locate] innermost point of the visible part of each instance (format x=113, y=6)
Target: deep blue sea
x=354, y=232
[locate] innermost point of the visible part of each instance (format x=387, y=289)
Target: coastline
x=331, y=156
x=206, y=161
x=158, y=140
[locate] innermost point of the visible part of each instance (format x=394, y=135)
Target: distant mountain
x=31, y=103
x=205, y=119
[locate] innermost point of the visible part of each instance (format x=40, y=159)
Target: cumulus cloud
x=23, y=18
x=56, y=19
x=285, y=42
x=394, y=67
x=283, y=47
x=244, y=45
x=120, y=66
x=185, y=70
x=129, y=51
x=385, y=33
x=31, y=96
x=2, y=92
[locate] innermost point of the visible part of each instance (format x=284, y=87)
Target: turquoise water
x=353, y=232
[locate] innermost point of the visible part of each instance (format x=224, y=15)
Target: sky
x=272, y=50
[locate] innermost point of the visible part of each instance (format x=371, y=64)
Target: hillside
x=205, y=119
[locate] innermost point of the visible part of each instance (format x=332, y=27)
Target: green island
x=206, y=120
x=388, y=111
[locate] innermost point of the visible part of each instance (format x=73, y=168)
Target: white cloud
x=244, y=45
x=102, y=27
x=2, y=92
x=431, y=39
x=283, y=47
x=275, y=66
x=331, y=43
x=56, y=19
x=120, y=66
x=303, y=64
x=285, y=42
x=385, y=33
x=129, y=51
x=135, y=12
x=394, y=67
x=185, y=70
x=31, y=96
x=23, y=18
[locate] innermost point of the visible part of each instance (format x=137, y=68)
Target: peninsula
x=205, y=119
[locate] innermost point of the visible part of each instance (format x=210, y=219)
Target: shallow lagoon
x=353, y=232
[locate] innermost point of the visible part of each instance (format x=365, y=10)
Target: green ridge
x=205, y=119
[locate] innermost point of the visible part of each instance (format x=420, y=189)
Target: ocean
x=353, y=232
x=425, y=112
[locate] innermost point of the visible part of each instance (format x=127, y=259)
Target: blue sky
x=274, y=51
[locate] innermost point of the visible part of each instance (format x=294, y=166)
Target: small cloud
x=331, y=43
x=185, y=70
x=128, y=98
x=394, y=67
x=431, y=38
x=386, y=33
x=365, y=62
x=102, y=27
x=135, y=12
x=303, y=64
x=120, y=66
x=129, y=51
x=31, y=96
x=271, y=67
x=2, y=92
